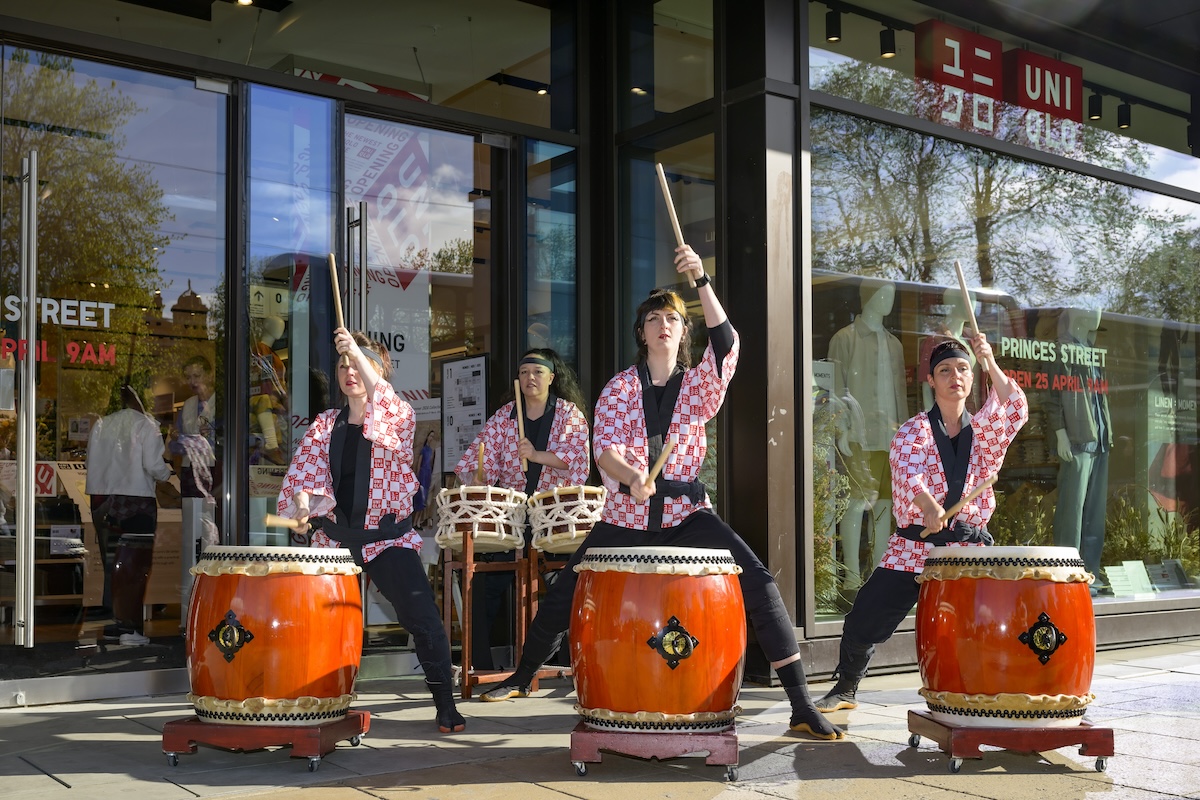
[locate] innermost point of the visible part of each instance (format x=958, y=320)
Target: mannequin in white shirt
x=869, y=372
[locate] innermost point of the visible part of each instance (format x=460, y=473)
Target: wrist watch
x=703, y=280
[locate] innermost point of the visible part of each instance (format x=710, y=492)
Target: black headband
x=544, y=362
x=941, y=353
x=371, y=354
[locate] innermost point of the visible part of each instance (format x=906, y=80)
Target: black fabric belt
x=695, y=491
x=960, y=532
x=355, y=538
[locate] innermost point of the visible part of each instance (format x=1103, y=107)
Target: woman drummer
x=660, y=398
x=937, y=458
x=351, y=481
x=554, y=448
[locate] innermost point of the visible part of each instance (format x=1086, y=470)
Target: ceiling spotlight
x=833, y=26
x=887, y=43
x=1095, y=106
x=1124, y=115
x=245, y=2
x=541, y=91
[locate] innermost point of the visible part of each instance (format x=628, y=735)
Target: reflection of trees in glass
x=893, y=203
x=554, y=254
x=1164, y=278
x=100, y=214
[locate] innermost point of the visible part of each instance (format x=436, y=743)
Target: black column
x=758, y=58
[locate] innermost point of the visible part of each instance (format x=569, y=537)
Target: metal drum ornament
x=658, y=639
x=1006, y=636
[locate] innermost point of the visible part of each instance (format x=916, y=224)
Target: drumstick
x=662, y=459
x=666, y=192
x=957, y=507
x=520, y=420
x=276, y=521
x=969, y=305
x=480, y=475
x=337, y=304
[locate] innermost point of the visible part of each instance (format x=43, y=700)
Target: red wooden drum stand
x=658, y=638
x=1006, y=644
x=274, y=644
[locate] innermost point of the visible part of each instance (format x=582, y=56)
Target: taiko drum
x=658, y=636
x=1006, y=636
x=562, y=517
x=494, y=518
x=274, y=635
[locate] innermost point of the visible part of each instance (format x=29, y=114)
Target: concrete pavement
x=518, y=749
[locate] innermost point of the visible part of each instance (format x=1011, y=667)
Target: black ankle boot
x=840, y=696
x=519, y=684
x=448, y=718
x=806, y=718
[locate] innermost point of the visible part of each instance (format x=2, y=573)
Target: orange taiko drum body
x=658, y=636
x=561, y=518
x=492, y=516
x=1006, y=636
x=274, y=635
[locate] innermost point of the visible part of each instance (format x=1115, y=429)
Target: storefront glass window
x=552, y=257
x=292, y=194
x=131, y=256
x=510, y=59
x=1087, y=291
x=994, y=85
x=665, y=58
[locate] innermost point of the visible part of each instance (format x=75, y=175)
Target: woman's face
x=663, y=330
x=350, y=381
x=535, y=381
x=952, y=379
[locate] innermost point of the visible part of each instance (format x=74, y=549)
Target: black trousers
x=113, y=516
x=703, y=529
x=401, y=578
x=881, y=605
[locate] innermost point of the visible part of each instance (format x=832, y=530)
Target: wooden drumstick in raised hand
x=276, y=521
x=520, y=420
x=666, y=193
x=662, y=460
x=337, y=304
x=969, y=305
x=949, y=513
x=480, y=475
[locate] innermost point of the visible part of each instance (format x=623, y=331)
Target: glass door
x=122, y=291
x=420, y=260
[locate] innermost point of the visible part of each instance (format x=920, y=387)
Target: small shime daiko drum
x=658, y=636
x=1006, y=636
x=492, y=516
x=561, y=518
x=274, y=635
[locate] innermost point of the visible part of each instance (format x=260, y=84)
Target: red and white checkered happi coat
x=501, y=464
x=917, y=467
x=621, y=425
x=389, y=424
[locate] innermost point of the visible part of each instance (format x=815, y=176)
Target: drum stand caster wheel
x=1101, y=763
x=731, y=774
x=314, y=763
x=955, y=765
x=914, y=740
x=580, y=768
x=172, y=759
x=355, y=741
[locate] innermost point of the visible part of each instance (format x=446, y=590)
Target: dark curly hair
x=565, y=385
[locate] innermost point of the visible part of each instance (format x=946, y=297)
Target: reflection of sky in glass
x=178, y=135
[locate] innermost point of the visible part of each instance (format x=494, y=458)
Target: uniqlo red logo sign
x=960, y=59
x=1044, y=84
x=43, y=479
